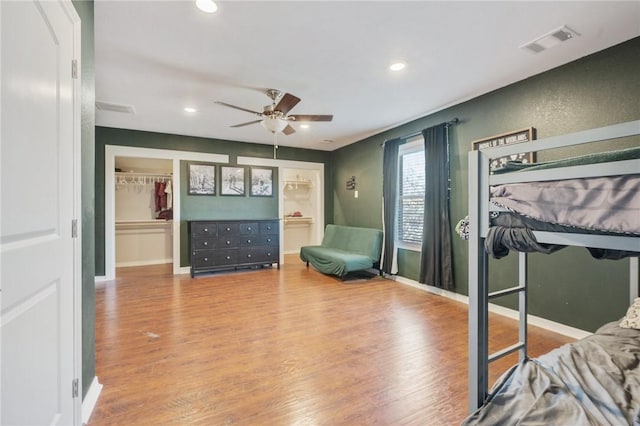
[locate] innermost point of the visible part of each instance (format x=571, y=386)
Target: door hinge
x=74, y=228
x=74, y=68
x=74, y=388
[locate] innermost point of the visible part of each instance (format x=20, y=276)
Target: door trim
x=73, y=16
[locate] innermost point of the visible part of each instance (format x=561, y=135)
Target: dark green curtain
x=436, y=262
x=389, y=203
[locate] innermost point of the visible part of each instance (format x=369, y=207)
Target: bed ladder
x=479, y=328
x=479, y=295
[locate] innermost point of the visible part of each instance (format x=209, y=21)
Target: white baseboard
x=90, y=400
x=144, y=262
x=101, y=279
x=556, y=327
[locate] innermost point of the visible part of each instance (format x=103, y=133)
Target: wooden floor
x=283, y=347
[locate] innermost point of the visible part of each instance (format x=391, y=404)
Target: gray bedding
x=610, y=204
x=594, y=381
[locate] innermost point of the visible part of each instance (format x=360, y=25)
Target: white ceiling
x=162, y=56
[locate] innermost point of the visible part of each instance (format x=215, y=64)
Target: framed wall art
x=202, y=178
x=232, y=180
x=518, y=136
x=261, y=182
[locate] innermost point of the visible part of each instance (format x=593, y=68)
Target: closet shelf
x=303, y=219
x=142, y=223
x=295, y=184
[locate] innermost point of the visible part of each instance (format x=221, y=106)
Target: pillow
x=632, y=319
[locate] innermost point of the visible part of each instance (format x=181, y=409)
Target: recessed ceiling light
x=208, y=6
x=304, y=126
x=398, y=66
x=190, y=110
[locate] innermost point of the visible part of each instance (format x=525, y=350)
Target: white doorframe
x=71, y=12
x=290, y=164
x=113, y=151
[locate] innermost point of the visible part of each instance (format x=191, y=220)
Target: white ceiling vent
x=550, y=39
x=110, y=106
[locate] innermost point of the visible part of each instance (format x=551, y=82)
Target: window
x=411, y=186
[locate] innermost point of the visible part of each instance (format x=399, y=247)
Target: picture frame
x=232, y=180
x=261, y=182
x=517, y=136
x=202, y=178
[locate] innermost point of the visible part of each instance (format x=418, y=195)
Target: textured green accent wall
x=598, y=90
x=201, y=207
x=197, y=207
x=85, y=11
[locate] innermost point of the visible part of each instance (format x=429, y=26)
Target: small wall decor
x=202, y=178
x=518, y=136
x=351, y=183
x=261, y=182
x=232, y=180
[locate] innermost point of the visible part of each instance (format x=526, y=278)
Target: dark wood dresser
x=231, y=244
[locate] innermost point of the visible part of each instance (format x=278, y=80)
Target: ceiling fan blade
x=287, y=102
x=246, y=124
x=240, y=108
x=288, y=130
x=315, y=117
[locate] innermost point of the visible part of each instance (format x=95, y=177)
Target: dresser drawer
x=206, y=229
x=268, y=240
x=228, y=229
x=271, y=228
x=229, y=241
x=226, y=257
x=249, y=228
x=203, y=258
x=203, y=243
x=257, y=254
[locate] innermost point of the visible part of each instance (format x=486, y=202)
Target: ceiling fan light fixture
x=274, y=124
x=397, y=66
x=208, y=6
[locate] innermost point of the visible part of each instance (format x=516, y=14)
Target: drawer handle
x=268, y=253
x=248, y=241
x=228, y=229
x=248, y=228
x=269, y=228
x=268, y=240
x=206, y=229
x=228, y=242
x=249, y=255
x=205, y=243
x=228, y=257
x=206, y=259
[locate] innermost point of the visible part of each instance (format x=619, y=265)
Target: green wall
x=201, y=207
x=568, y=287
x=85, y=11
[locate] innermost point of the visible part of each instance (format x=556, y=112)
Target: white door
x=39, y=122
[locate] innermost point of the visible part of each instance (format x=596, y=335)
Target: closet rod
x=143, y=174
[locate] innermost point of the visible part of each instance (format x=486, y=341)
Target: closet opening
x=301, y=207
x=143, y=211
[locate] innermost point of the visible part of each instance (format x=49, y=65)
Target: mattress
x=601, y=205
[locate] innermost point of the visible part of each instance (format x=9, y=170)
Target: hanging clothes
x=160, y=196
x=168, y=192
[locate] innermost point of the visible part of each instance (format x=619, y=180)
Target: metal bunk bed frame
x=480, y=180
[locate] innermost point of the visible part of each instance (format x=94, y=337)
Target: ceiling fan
x=275, y=117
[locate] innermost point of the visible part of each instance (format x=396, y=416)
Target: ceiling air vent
x=110, y=106
x=550, y=39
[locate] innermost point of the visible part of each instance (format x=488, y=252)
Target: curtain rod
x=410, y=135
